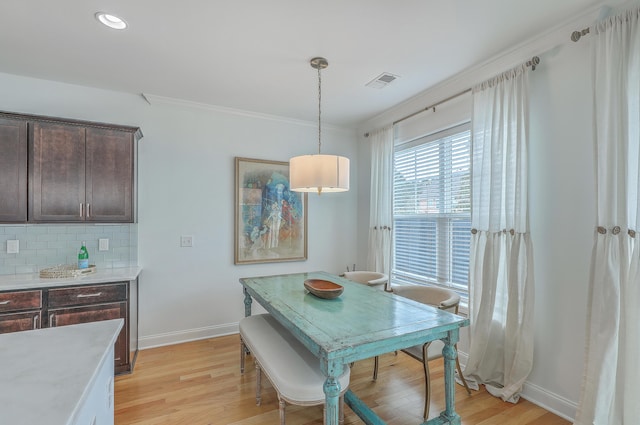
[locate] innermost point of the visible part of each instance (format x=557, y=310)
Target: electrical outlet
x=13, y=246
x=103, y=244
x=186, y=241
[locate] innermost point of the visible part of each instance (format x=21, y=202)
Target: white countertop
x=33, y=280
x=45, y=373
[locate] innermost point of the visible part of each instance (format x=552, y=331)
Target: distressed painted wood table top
x=361, y=323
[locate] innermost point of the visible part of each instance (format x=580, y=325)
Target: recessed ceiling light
x=111, y=21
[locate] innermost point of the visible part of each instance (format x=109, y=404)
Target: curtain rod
x=427, y=108
x=575, y=36
x=533, y=62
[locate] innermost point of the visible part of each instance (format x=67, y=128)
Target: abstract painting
x=270, y=219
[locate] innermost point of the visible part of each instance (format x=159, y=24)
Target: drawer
x=87, y=295
x=20, y=300
x=18, y=322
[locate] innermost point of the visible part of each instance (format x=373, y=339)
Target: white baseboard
x=554, y=403
x=539, y=396
x=170, y=338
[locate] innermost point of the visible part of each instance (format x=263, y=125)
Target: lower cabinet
x=96, y=313
x=20, y=311
x=71, y=305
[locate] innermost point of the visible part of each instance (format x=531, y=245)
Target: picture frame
x=270, y=220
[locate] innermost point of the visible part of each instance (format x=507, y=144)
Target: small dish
x=323, y=288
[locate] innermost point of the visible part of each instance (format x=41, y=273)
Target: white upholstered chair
x=367, y=277
x=443, y=299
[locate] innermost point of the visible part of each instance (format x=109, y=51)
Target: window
x=432, y=210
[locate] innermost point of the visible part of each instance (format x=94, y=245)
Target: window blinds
x=432, y=210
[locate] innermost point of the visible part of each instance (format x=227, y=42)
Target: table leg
x=247, y=302
x=449, y=353
x=332, y=394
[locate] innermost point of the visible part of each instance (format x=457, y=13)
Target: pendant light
x=319, y=173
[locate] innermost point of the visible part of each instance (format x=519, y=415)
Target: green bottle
x=83, y=257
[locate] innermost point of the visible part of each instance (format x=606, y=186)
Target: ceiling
x=254, y=55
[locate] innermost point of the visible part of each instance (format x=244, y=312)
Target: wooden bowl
x=323, y=288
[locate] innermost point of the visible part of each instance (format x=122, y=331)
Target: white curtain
x=611, y=382
x=501, y=264
x=381, y=213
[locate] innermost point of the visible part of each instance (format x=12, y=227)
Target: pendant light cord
x=319, y=109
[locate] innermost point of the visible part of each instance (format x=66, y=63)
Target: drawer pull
x=5, y=302
x=97, y=294
x=35, y=322
x=51, y=317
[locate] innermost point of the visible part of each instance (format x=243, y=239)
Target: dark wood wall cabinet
x=56, y=170
x=70, y=305
x=13, y=170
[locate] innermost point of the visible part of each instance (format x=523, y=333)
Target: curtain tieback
x=512, y=232
x=615, y=230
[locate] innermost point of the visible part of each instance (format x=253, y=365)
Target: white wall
x=186, y=187
x=562, y=200
x=562, y=218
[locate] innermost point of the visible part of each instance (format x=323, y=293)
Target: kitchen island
x=59, y=376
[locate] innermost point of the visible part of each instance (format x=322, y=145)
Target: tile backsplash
x=46, y=245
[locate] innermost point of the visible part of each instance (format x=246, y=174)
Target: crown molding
x=153, y=100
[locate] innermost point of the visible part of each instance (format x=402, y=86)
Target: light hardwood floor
x=199, y=383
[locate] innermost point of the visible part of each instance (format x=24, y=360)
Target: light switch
x=13, y=246
x=103, y=244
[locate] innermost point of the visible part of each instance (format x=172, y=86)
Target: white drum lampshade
x=319, y=173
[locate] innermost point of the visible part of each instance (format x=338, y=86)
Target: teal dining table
x=361, y=323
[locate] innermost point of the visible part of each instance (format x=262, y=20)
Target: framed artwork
x=270, y=220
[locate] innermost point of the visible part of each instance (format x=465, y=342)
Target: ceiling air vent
x=382, y=80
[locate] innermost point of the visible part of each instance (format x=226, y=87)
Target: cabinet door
x=18, y=322
x=109, y=174
x=13, y=170
x=96, y=313
x=56, y=172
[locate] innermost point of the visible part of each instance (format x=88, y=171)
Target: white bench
x=291, y=368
